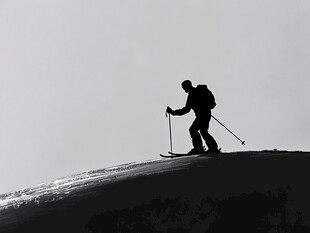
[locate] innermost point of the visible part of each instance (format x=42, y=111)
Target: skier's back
x=201, y=100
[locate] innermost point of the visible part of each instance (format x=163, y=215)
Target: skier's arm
x=182, y=111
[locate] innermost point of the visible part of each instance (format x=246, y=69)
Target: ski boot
x=195, y=151
x=216, y=150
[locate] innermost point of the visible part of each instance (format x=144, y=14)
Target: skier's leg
x=196, y=138
x=210, y=141
x=204, y=127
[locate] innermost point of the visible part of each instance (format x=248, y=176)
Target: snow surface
x=189, y=194
x=66, y=186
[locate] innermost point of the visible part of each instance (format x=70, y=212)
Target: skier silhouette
x=201, y=100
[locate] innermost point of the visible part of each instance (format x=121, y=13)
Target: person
x=201, y=100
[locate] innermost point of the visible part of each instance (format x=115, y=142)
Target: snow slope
x=266, y=191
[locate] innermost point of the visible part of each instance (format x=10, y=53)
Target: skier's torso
x=197, y=104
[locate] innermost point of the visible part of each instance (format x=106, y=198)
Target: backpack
x=205, y=96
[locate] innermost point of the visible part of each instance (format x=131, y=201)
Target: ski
x=175, y=155
x=172, y=155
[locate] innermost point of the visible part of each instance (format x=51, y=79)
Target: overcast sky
x=84, y=84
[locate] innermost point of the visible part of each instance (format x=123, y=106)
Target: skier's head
x=187, y=86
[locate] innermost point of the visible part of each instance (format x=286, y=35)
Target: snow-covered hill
x=265, y=191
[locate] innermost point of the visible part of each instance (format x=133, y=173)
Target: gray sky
x=85, y=84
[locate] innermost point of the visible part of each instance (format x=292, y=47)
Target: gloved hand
x=169, y=110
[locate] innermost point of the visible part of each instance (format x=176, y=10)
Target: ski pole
x=170, y=133
x=242, y=142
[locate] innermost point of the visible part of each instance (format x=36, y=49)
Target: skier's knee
x=204, y=132
x=192, y=131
